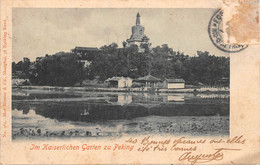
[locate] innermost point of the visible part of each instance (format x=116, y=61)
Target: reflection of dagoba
x=137, y=36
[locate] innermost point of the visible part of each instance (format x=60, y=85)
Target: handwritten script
x=189, y=147
x=187, y=150
x=204, y=158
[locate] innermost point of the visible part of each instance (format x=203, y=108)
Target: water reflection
x=124, y=111
x=122, y=99
x=173, y=98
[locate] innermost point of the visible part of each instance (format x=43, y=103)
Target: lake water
x=39, y=114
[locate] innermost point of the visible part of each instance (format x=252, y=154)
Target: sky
x=40, y=31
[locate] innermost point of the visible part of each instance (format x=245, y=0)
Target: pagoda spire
x=138, y=19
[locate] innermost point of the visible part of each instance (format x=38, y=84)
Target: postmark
x=216, y=34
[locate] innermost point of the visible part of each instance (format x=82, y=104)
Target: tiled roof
x=86, y=49
x=116, y=78
x=148, y=78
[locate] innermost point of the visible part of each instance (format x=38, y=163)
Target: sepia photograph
x=129, y=82
x=113, y=72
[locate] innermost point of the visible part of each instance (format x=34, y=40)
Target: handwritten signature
x=204, y=158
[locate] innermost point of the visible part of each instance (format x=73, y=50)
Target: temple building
x=119, y=82
x=138, y=37
x=149, y=81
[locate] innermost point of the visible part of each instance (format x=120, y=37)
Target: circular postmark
x=216, y=34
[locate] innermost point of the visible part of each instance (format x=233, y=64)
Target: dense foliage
x=61, y=69
x=64, y=69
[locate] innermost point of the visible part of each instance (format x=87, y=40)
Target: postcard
x=130, y=82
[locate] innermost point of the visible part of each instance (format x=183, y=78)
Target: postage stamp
x=216, y=32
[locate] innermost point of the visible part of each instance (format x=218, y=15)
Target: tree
x=124, y=44
x=139, y=65
x=13, y=67
x=61, y=69
x=64, y=69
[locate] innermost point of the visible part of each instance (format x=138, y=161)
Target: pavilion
x=149, y=81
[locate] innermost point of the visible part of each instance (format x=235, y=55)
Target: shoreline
x=206, y=90
x=155, y=125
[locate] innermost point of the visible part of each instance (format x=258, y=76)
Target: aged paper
x=130, y=82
